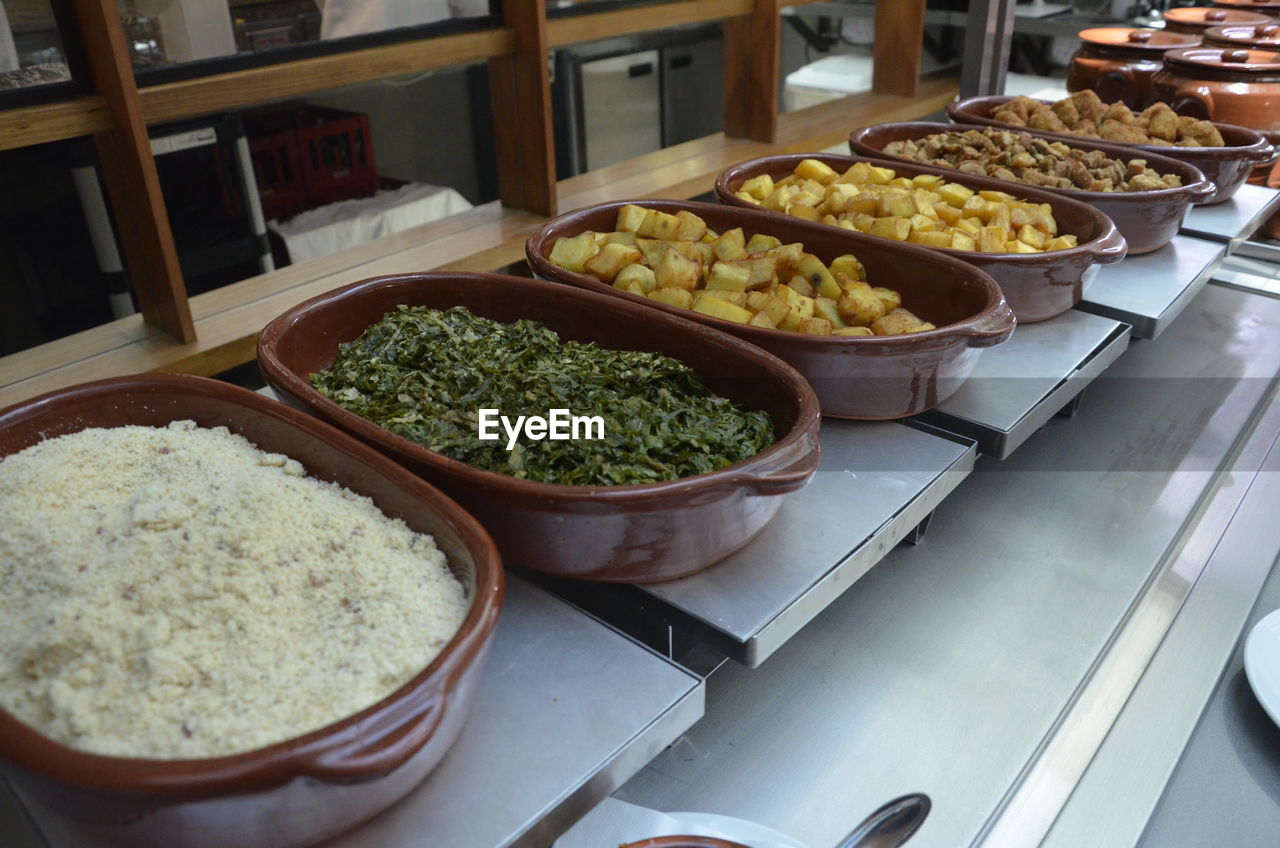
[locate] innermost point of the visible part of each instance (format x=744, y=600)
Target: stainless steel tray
x=1235, y=219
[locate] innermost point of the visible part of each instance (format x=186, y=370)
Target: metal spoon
x=891, y=825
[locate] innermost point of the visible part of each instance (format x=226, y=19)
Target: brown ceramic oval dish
x=1038, y=286
x=1196, y=19
x=1148, y=220
x=684, y=842
x=303, y=790
x=866, y=377
x=1119, y=62
x=1232, y=84
x=1226, y=167
x=633, y=534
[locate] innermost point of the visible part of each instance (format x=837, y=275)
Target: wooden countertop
x=486, y=238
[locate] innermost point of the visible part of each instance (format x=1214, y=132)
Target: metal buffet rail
x=1078, y=589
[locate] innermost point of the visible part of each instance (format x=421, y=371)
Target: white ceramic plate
x=1262, y=663
x=738, y=830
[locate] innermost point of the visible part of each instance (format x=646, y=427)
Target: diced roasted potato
x=816, y=326
x=737, y=298
x=804, y=211
x=820, y=279
x=637, y=273
x=825, y=307
x=961, y=240
x=930, y=239
x=676, y=271
x=628, y=239
x=859, y=305
x=890, y=298
x=853, y=331
x=682, y=298
x=717, y=308
x=1061, y=243
x=897, y=322
x=1030, y=235
x=848, y=265
x=812, y=169
x=894, y=228
x=800, y=285
x=633, y=286
x=762, y=319
x=768, y=304
x=759, y=242
x=630, y=217
x=1015, y=246
x=730, y=245
x=659, y=225
x=992, y=239
x=571, y=253
x=692, y=227
x=759, y=187
x=611, y=259
x=729, y=276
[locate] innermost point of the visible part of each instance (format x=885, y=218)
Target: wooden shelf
x=489, y=237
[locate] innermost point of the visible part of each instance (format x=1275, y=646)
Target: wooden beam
x=29, y=125
x=594, y=25
x=752, y=52
x=523, y=135
x=899, y=37
x=130, y=171
x=220, y=92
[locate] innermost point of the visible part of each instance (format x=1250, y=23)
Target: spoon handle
x=890, y=825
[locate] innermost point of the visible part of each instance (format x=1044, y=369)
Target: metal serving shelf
x=568, y=710
x=1235, y=219
x=878, y=484
x=1018, y=386
x=1149, y=291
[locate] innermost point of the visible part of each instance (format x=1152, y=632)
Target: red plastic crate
x=277, y=167
x=337, y=156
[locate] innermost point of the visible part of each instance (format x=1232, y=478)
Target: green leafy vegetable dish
x=425, y=373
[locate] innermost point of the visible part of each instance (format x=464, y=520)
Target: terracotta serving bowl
x=1226, y=167
x=1119, y=62
x=634, y=534
x=1038, y=286
x=1233, y=84
x=867, y=377
x=684, y=842
x=1196, y=19
x=306, y=789
x=1148, y=220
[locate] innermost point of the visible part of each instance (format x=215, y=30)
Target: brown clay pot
x=1226, y=167
x=1037, y=286
x=865, y=377
x=1148, y=220
x=684, y=842
x=1194, y=20
x=306, y=789
x=1236, y=85
x=1266, y=7
x=634, y=534
x=1119, y=62
x=1255, y=36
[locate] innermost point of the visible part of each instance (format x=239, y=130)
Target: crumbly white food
x=177, y=593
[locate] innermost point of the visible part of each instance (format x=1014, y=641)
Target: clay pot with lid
x=1250, y=36
x=1266, y=7
x=1234, y=85
x=1194, y=20
x=1119, y=62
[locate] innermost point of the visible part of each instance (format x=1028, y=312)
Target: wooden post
x=899, y=37
x=752, y=52
x=520, y=85
x=130, y=174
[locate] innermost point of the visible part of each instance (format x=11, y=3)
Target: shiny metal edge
x=1245, y=228
x=663, y=732
x=1114, y=801
x=844, y=574
x=1149, y=326
x=1044, y=788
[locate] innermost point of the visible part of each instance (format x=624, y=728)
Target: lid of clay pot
x=1204, y=17
x=1224, y=59
x=1269, y=5
x=1153, y=41
x=1266, y=36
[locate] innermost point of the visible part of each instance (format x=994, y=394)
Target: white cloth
x=8, y=53
x=340, y=18
x=347, y=223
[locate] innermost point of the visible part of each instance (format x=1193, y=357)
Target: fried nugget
x=1088, y=105
x=1205, y=133
x=1046, y=119
x=1118, y=112
x=1113, y=130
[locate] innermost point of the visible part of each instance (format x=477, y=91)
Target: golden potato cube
x=896, y=203
x=659, y=225
x=992, y=239
x=1015, y=246
x=1046, y=216
x=830, y=220
x=786, y=294
x=652, y=250
x=816, y=326
x=807, y=198
x=801, y=286
x=791, y=321
x=862, y=223
x=812, y=169
x=682, y=298
x=677, y=271
x=768, y=304
x=611, y=259
x=947, y=213
x=890, y=298
x=703, y=253
x=925, y=208
x=853, y=331
x=1000, y=217
x=692, y=227
x=758, y=187
x=972, y=226
x=825, y=307
x=819, y=278
x=894, y=228
x=762, y=319
x=630, y=217
x=730, y=245
x=639, y=274
x=1032, y=236
x=955, y=194
x=728, y=277
x=627, y=238
x=930, y=239
x=902, y=182
x=896, y=323
x=862, y=203
x=930, y=181
x=804, y=306
x=923, y=224
x=848, y=265
x=780, y=198
x=803, y=211
x=632, y=286
x=859, y=305
x=857, y=174
x=814, y=188
x=787, y=258
x=750, y=198
x=737, y=298
x=717, y=308
x=764, y=272
x=988, y=212
x=1061, y=243
x=996, y=196
x=960, y=240
x=571, y=253
x=759, y=242
x=710, y=236
x=880, y=176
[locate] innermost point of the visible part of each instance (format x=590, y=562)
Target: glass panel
x=31, y=49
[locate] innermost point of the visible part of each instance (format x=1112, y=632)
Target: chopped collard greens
x=424, y=374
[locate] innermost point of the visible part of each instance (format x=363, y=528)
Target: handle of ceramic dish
x=788, y=479
x=993, y=329
x=1203, y=191
x=378, y=751
x=1112, y=247
x=1266, y=153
